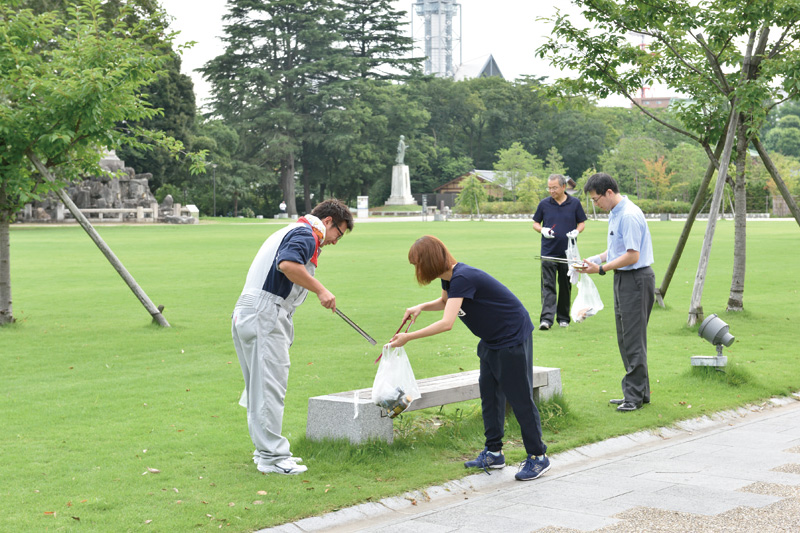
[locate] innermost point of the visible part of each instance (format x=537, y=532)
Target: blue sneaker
x=486, y=460
x=533, y=467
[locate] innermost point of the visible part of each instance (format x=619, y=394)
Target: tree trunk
x=776, y=177
x=307, y=190
x=287, y=185
x=695, y=307
x=112, y=258
x=736, y=297
x=697, y=205
x=6, y=311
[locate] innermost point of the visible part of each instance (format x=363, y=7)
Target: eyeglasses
x=553, y=188
x=597, y=198
x=340, y=233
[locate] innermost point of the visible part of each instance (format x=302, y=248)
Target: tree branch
x=777, y=48
x=714, y=64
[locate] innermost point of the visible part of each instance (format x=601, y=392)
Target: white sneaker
x=285, y=466
x=257, y=457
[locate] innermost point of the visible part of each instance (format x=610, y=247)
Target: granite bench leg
x=553, y=387
x=332, y=417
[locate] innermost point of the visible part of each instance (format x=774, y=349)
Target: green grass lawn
x=112, y=424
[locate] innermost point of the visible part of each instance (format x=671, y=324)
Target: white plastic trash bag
x=394, y=387
x=574, y=257
x=587, y=302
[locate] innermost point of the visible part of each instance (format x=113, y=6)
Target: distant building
x=487, y=177
x=657, y=102
x=437, y=16
x=482, y=67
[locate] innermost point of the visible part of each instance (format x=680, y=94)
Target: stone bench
x=352, y=415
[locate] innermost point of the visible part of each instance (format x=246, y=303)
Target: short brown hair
x=430, y=257
x=337, y=210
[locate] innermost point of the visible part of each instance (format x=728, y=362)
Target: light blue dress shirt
x=627, y=230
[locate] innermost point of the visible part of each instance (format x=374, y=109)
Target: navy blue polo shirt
x=490, y=310
x=564, y=217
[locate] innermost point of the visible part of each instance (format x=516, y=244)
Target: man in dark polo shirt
x=558, y=218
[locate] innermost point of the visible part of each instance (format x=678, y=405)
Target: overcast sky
x=507, y=29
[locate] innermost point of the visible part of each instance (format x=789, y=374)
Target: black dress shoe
x=629, y=406
x=621, y=401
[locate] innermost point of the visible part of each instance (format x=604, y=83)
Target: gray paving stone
x=608, y=486
x=414, y=526
x=513, y=519
x=701, y=479
x=688, y=499
x=540, y=517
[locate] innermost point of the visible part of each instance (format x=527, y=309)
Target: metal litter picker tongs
x=355, y=327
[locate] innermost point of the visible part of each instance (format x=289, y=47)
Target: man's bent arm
x=298, y=275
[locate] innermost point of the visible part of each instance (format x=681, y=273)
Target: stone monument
x=401, y=180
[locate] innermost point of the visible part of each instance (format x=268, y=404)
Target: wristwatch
x=600, y=270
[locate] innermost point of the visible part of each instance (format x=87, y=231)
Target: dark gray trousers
x=634, y=295
x=555, y=309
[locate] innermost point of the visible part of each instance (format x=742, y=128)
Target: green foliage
x=721, y=53
x=555, y=413
x=687, y=163
x=650, y=206
x=373, y=31
x=291, y=82
x=554, y=163
x=656, y=173
x=529, y=192
x=63, y=102
x=166, y=189
x=514, y=165
x=625, y=163
x=501, y=208
x=785, y=137
x=173, y=93
x=472, y=194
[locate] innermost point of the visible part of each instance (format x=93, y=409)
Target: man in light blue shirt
x=629, y=254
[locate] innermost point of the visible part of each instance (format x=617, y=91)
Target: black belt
x=631, y=269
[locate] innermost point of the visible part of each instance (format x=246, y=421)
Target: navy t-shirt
x=565, y=217
x=490, y=311
x=297, y=246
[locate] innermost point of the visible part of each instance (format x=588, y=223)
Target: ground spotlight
x=714, y=330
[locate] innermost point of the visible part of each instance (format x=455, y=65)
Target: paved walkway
x=735, y=471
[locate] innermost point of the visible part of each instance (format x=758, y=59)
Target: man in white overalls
x=278, y=281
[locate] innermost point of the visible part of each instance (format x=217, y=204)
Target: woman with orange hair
x=503, y=325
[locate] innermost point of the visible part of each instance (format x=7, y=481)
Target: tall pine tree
x=373, y=30
x=289, y=77
x=282, y=65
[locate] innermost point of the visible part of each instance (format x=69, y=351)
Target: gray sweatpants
x=262, y=332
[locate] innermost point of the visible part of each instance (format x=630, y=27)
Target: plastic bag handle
x=396, y=332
